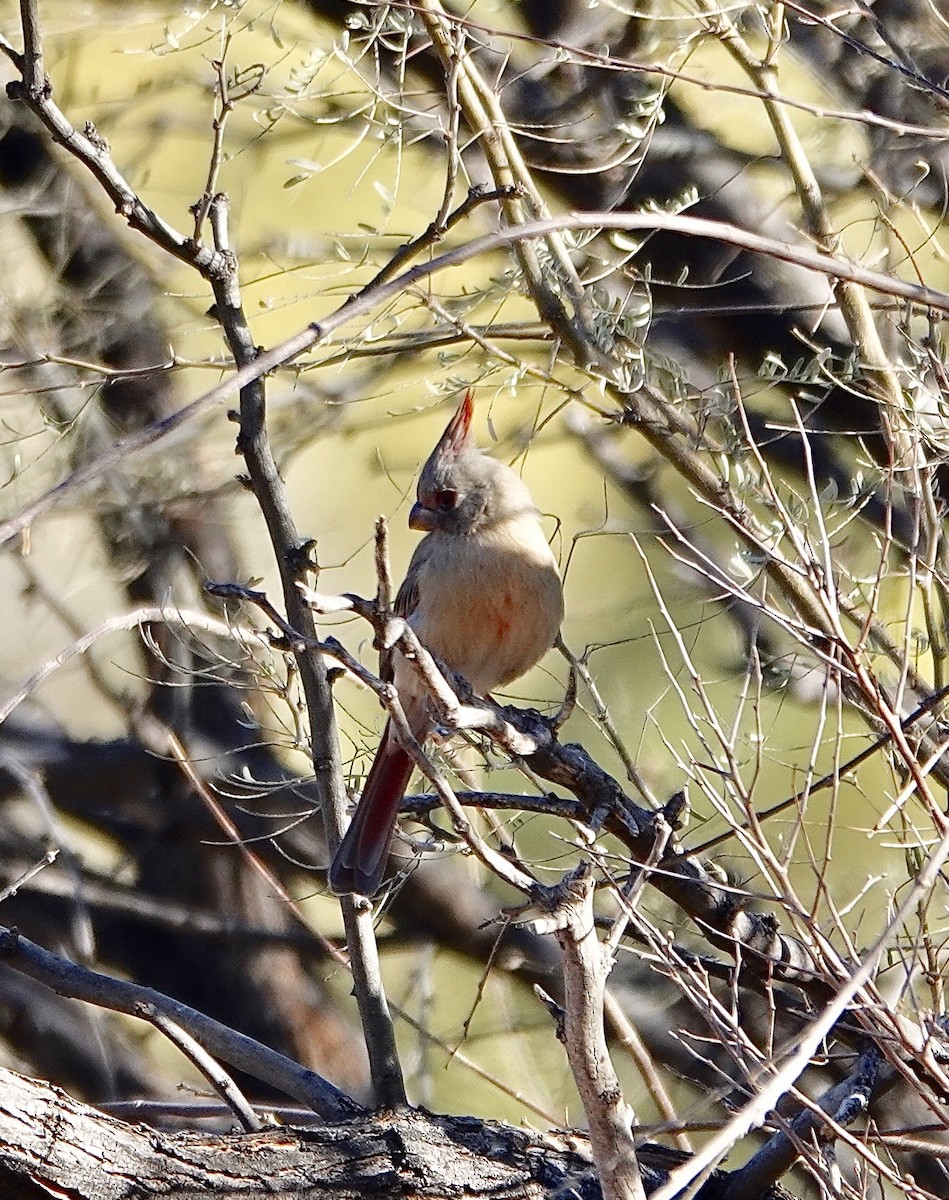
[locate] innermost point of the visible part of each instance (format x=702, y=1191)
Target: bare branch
x=219, y=1079
x=70, y=979
x=587, y=966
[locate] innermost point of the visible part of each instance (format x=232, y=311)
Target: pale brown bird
x=482, y=593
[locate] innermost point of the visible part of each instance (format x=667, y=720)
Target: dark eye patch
x=445, y=499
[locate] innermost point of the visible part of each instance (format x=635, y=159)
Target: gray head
x=461, y=489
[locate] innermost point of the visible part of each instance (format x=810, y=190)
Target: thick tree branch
x=587, y=965
x=70, y=979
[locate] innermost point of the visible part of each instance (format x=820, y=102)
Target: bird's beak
x=422, y=518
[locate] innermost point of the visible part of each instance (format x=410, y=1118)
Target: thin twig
x=138, y=617
x=213, y=1072
x=11, y=889
x=842, y=1104
x=316, y=332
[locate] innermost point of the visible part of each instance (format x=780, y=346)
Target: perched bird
x=482, y=593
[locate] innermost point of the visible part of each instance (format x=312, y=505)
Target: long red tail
x=360, y=861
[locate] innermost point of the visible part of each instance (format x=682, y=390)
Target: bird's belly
x=497, y=625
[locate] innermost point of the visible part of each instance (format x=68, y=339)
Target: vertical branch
x=852, y=298
x=34, y=72
x=586, y=967
x=479, y=103
x=294, y=561
x=225, y=106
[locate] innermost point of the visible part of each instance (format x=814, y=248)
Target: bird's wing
x=406, y=600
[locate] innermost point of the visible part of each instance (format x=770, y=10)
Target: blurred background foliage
x=333, y=158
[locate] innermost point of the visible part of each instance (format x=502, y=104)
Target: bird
x=483, y=594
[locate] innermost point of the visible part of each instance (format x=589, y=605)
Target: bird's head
x=461, y=489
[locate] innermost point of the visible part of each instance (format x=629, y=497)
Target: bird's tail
x=360, y=861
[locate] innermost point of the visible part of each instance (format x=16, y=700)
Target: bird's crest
x=458, y=431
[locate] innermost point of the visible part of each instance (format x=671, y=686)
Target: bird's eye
x=445, y=499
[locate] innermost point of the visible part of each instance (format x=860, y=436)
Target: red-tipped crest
x=458, y=430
